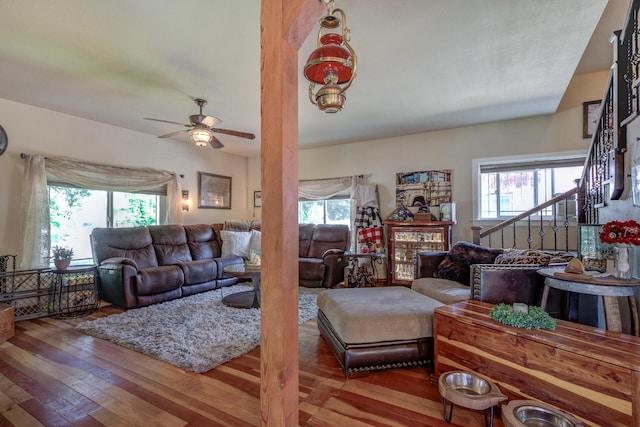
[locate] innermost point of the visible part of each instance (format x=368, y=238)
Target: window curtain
x=35, y=244
x=321, y=189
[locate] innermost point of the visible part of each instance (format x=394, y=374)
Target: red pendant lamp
x=333, y=64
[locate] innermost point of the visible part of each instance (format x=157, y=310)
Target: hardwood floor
x=52, y=375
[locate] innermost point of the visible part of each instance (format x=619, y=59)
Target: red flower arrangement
x=627, y=232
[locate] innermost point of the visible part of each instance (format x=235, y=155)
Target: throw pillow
x=516, y=259
x=456, y=265
x=235, y=243
x=255, y=242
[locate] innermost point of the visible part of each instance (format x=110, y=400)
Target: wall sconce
x=185, y=200
x=332, y=64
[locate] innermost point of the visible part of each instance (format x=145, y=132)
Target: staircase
x=603, y=178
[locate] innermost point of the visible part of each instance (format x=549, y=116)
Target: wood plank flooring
x=52, y=375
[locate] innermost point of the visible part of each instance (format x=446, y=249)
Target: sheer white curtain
x=320, y=189
x=35, y=244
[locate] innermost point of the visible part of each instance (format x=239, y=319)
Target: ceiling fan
x=202, y=129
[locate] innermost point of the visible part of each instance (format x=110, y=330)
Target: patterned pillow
x=456, y=265
x=516, y=259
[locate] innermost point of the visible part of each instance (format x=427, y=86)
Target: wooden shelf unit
x=405, y=239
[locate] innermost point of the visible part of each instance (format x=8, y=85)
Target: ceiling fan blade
x=215, y=143
x=197, y=119
x=172, y=134
x=167, y=121
x=234, y=133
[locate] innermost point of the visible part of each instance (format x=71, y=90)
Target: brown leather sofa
x=321, y=260
x=139, y=266
x=492, y=283
x=483, y=280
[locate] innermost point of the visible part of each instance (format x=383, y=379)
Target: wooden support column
x=284, y=25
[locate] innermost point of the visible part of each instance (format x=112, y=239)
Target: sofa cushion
x=202, y=242
x=372, y=315
x=157, y=280
x=311, y=269
x=170, y=244
x=242, y=225
x=235, y=243
x=456, y=265
x=444, y=290
x=328, y=236
x=200, y=271
x=132, y=242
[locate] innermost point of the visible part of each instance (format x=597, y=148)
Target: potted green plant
x=62, y=256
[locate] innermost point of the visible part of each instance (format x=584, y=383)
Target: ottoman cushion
x=444, y=290
x=372, y=315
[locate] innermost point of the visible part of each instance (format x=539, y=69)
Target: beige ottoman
x=377, y=328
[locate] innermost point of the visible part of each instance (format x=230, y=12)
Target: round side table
x=75, y=291
x=594, y=283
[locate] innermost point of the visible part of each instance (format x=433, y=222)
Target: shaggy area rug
x=196, y=333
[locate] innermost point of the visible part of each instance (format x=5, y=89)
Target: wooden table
x=591, y=373
x=247, y=299
x=593, y=283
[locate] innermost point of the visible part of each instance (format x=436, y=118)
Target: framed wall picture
x=257, y=199
x=590, y=117
x=214, y=191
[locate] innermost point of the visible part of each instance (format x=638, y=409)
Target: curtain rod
x=337, y=177
x=26, y=156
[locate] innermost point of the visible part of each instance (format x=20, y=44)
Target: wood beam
x=284, y=26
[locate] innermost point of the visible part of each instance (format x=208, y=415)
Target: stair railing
x=559, y=224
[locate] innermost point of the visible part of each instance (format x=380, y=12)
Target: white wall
x=63, y=135
x=380, y=160
x=37, y=131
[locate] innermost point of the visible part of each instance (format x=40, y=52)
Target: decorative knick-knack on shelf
x=622, y=261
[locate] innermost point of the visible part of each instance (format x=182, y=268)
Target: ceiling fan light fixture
x=201, y=136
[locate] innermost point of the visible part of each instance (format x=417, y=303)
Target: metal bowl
x=536, y=416
x=467, y=383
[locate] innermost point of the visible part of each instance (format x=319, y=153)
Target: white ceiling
x=423, y=64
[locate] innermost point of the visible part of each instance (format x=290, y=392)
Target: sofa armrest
x=225, y=262
x=115, y=262
x=427, y=262
x=332, y=252
x=115, y=281
x=507, y=283
x=335, y=263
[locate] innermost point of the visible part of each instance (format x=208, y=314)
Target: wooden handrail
x=530, y=212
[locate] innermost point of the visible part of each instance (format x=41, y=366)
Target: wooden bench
x=591, y=373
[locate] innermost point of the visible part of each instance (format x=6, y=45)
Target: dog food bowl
x=467, y=383
x=469, y=390
x=530, y=413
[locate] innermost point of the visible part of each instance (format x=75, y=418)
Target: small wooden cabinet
x=405, y=239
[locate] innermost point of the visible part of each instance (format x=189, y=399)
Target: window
x=75, y=212
x=509, y=189
x=328, y=211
